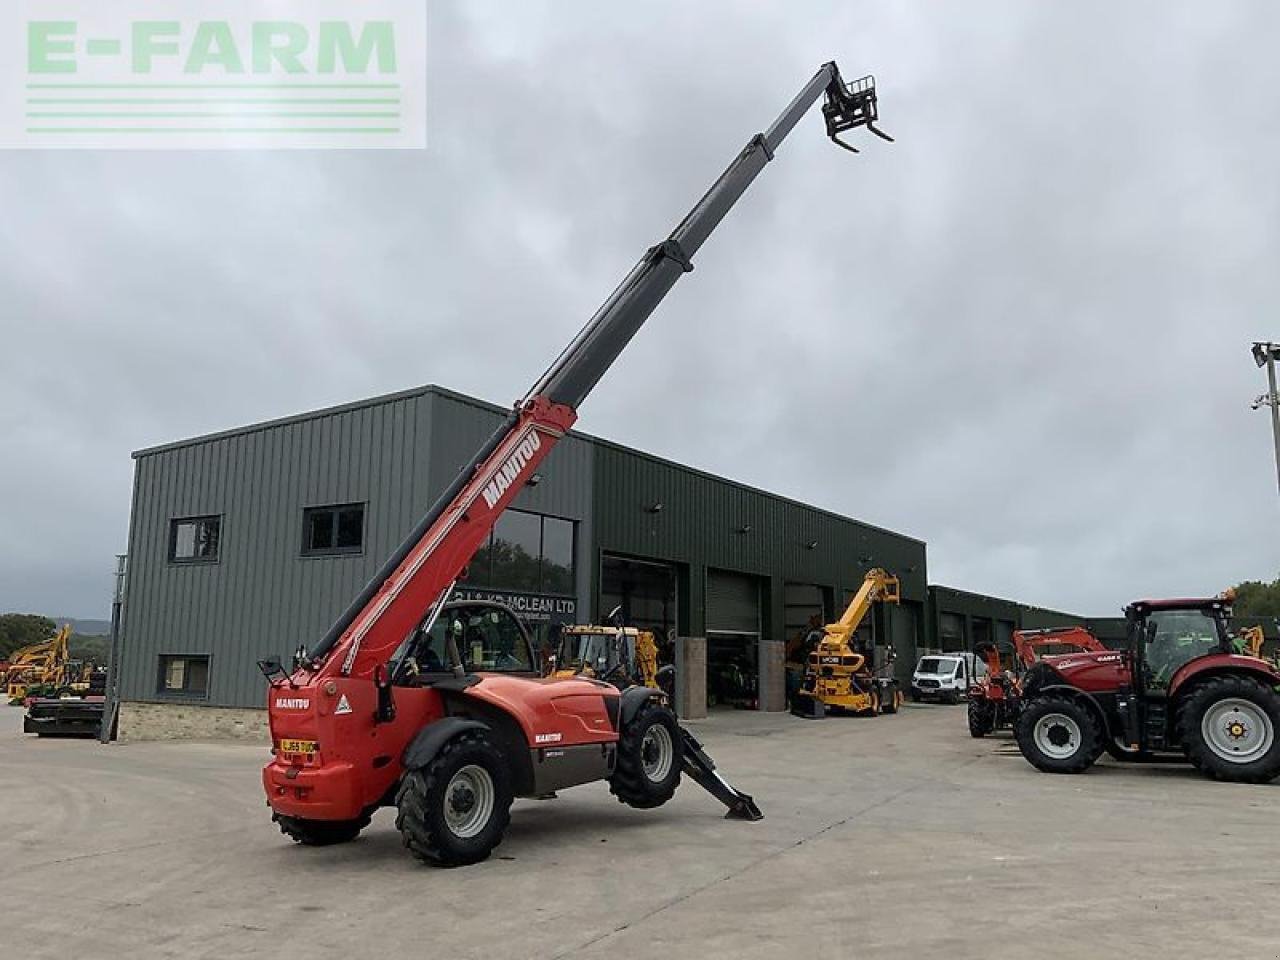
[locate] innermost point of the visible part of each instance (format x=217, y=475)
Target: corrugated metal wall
x=709, y=522
x=262, y=597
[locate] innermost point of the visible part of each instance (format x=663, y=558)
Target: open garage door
x=733, y=639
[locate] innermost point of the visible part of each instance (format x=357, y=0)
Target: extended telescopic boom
x=438, y=549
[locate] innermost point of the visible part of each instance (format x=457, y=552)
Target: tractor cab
x=1166, y=635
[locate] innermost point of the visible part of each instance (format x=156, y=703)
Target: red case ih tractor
x=995, y=701
x=436, y=708
x=1179, y=688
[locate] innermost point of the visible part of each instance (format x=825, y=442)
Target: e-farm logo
x=213, y=73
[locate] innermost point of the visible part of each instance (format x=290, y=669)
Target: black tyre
x=891, y=699
x=1229, y=729
x=953, y=697
x=650, y=752
x=455, y=810
x=915, y=695
x=320, y=833
x=982, y=719
x=1059, y=735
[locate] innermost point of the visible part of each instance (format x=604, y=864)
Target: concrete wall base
x=773, y=676
x=186, y=721
x=691, y=677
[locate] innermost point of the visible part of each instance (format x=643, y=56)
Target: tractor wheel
x=1228, y=728
x=650, y=751
x=454, y=811
x=893, y=700
x=320, y=833
x=1059, y=735
x=981, y=719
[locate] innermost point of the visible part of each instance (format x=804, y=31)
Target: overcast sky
x=1020, y=333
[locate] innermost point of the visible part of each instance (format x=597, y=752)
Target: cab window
x=1172, y=638
x=489, y=640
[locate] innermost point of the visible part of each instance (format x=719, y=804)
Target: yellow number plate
x=298, y=746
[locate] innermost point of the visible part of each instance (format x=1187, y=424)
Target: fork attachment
x=850, y=105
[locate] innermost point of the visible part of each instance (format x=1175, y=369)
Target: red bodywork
x=1099, y=671
x=1220, y=663
x=358, y=759
x=1028, y=646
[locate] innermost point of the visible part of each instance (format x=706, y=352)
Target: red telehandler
x=995, y=700
x=1180, y=689
x=436, y=708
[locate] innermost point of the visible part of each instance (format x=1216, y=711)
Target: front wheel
x=1059, y=735
x=1228, y=727
x=892, y=699
x=320, y=833
x=454, y=811
x=650, y=752
x=981, y=719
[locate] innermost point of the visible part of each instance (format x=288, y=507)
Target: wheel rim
x=657, y=753
x=1238, y=731
x=469, y=801
x=1057, y=736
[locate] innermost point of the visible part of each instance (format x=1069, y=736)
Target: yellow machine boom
x=39, y=663
x=837, y=675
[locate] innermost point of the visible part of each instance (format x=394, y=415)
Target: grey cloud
x=1019, y=333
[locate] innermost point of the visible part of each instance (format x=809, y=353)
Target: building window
x=526, y=552
x=336, y=529
x=184, y=675
x=194, y=539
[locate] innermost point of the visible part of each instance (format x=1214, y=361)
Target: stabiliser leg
x=700, y=767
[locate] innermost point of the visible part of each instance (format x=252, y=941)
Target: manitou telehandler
x=838, y=677
x=1179, y=688
x=367, y=718
x=995, y=700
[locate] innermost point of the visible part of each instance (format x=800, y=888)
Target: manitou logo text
x=292, y=703
x=501, y=483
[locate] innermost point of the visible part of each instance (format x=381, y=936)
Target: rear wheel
x=982, y=719
x=454, y=811
x=892, y=699
x=650, y=751
x=320, y=833
x=1059, y=735
x=1228, y=727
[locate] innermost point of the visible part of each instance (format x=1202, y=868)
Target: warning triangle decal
x=343, y=706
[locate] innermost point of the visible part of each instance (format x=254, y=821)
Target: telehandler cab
x=1179, y=688
x=363, y=719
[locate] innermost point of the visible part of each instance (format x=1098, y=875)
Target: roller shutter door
x=733, y=603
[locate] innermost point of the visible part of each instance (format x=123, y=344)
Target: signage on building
x=529, y=607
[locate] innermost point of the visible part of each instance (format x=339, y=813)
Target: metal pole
x=1275, y=405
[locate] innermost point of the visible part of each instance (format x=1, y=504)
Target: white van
x=946, y=676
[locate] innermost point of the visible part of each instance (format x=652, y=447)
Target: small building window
x=184, y=675
x=335, y=529
x=194, y=539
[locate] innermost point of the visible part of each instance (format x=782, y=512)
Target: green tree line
x=23, y=629
x=1256, y=598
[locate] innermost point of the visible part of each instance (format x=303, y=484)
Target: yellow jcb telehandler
x=837, y=676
